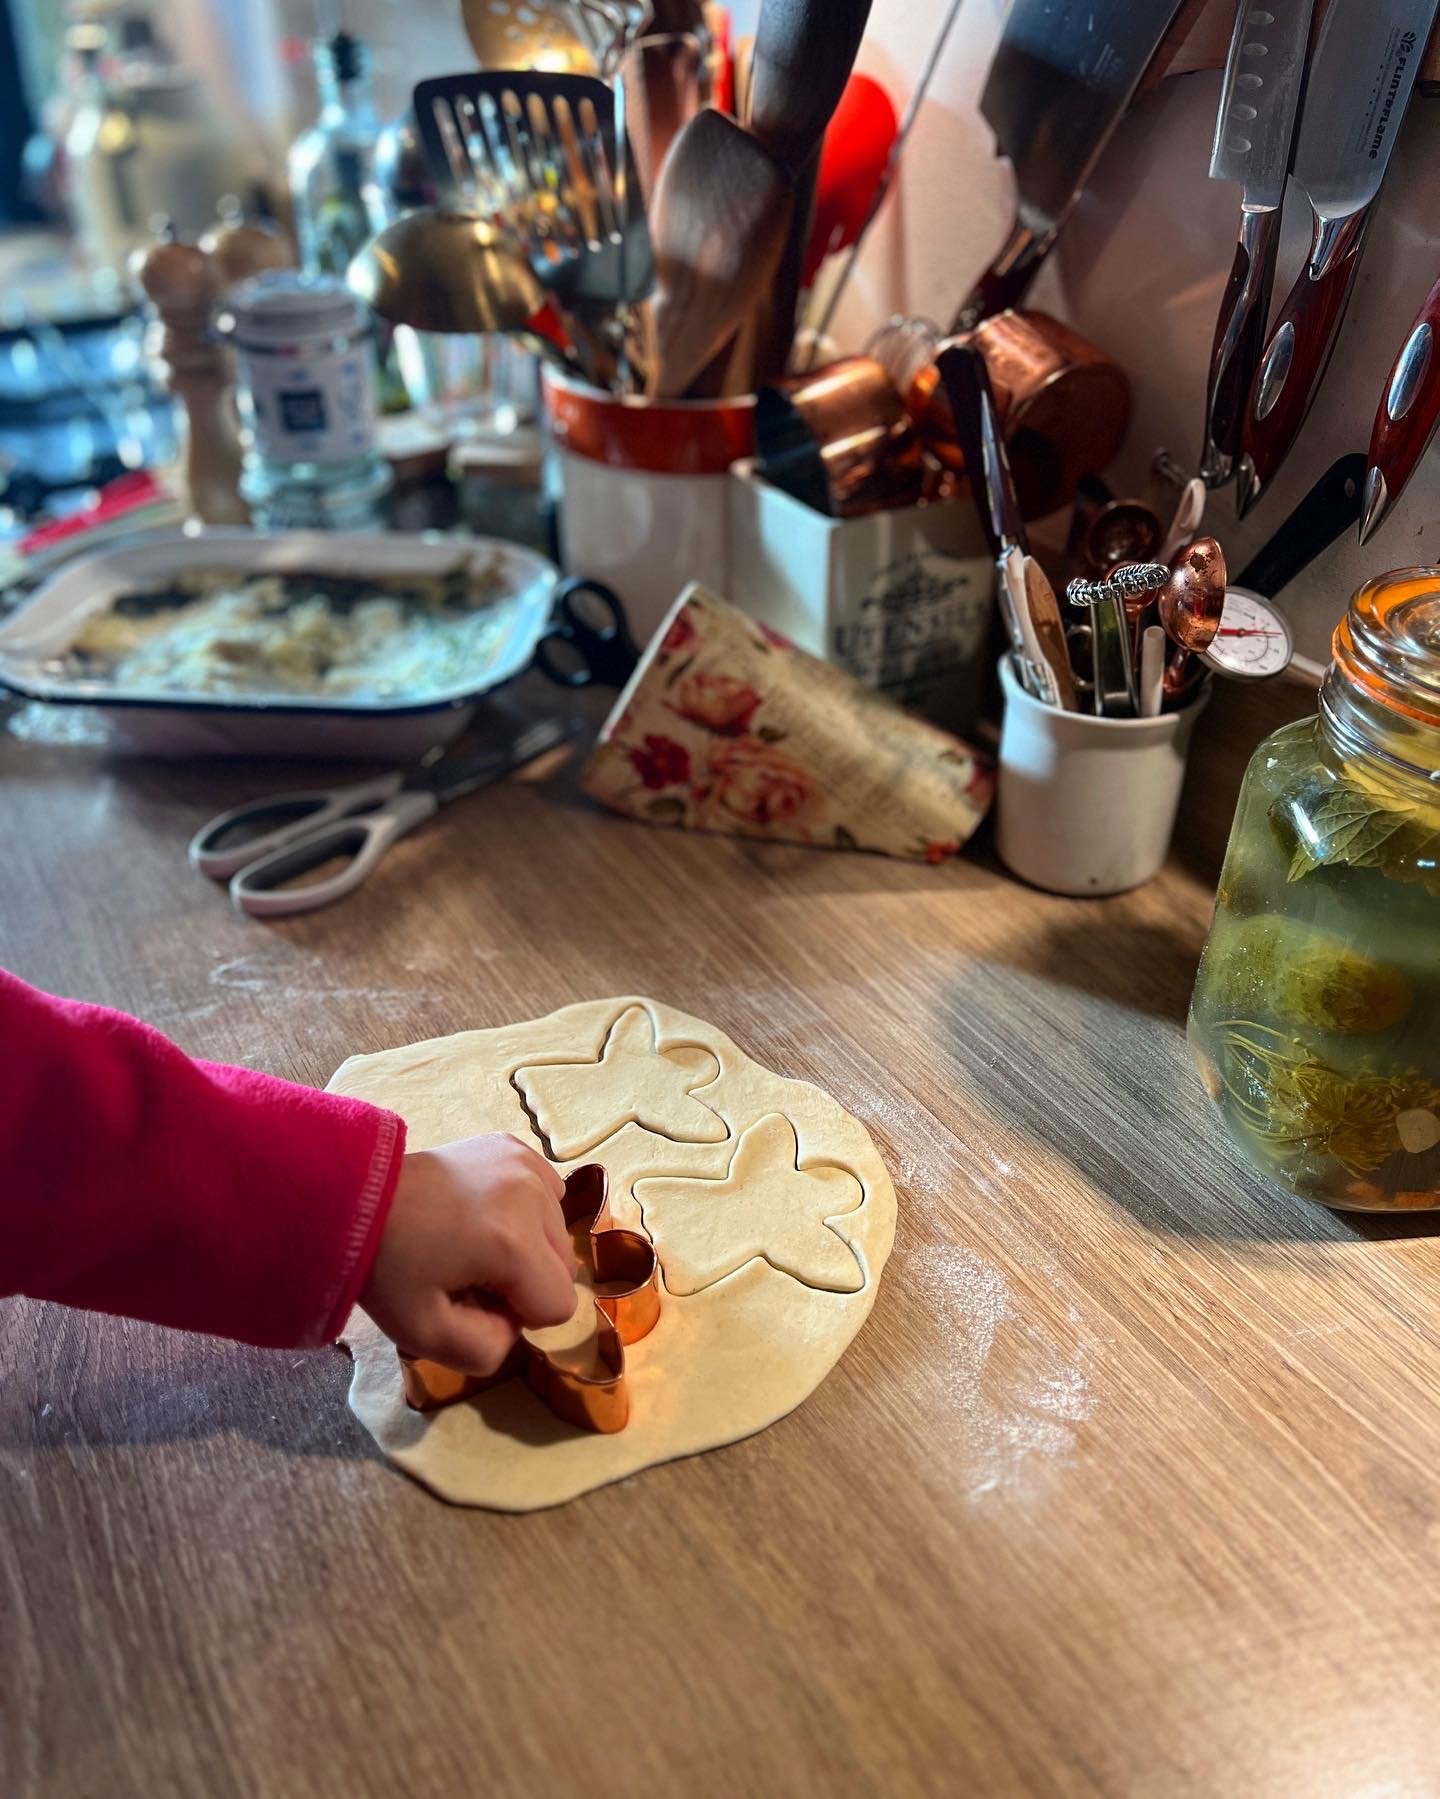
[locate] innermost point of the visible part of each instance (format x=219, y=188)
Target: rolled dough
x=775, y=1234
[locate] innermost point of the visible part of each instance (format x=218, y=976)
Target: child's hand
x=474, y=1248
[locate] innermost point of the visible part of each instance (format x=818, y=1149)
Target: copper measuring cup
x=840, y=439
x=1063, y=403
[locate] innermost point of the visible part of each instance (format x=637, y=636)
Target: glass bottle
x=338, y=203
x=1315, y=1021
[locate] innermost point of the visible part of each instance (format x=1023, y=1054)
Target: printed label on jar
x=310, y=408
x=918, y=632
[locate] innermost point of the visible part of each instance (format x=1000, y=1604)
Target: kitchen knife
x=1330, y=508
x=966, y=381
x=1406, y=418
x=1064, y=72
x=1254, y=134
x=1361, y=77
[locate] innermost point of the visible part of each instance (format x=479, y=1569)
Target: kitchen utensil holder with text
x=656, y=495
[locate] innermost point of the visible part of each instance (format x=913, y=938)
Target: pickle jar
x=1315, y=1021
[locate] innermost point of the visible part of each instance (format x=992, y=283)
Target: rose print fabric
x=725, y=726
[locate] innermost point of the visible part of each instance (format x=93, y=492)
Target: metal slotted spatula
x=541, y=154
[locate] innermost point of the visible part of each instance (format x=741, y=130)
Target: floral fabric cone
x=726, y=726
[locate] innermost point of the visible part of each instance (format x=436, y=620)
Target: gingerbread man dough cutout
x=579, y=1104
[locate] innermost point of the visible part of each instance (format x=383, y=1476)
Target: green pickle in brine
x=1315, y=1022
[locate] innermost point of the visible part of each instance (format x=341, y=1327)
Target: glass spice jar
x=1315, y=1021
x=305, y=385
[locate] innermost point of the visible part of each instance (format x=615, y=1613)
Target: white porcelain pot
x=1087, y=805
x=644, y=491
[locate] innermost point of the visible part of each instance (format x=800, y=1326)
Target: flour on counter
x=259, y=972
x=991, y=1443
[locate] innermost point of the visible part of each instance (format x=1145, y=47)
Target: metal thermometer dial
x=1253, y=640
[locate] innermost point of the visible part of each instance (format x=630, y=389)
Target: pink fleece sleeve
x=137, y=1181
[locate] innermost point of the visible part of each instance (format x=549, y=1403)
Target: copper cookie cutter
x=594, y=1397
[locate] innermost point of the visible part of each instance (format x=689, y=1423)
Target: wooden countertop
x=1128, y=1486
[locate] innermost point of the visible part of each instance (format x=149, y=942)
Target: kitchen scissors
x=260, y=847
x=590, y=643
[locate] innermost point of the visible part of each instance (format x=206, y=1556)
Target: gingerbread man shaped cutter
x=594, y=1397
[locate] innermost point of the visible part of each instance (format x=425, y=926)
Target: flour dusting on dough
x=1002, y=1438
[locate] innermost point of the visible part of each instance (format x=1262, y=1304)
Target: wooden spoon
x=663, y=79
x=719, y=221
x=675, y=15
x=804, y=52
x=1049, y=630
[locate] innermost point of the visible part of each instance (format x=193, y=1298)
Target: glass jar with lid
x=305, y=383
x=1315, y=1021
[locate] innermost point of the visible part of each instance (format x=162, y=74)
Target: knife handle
x=1297, y=353
x=1007, y=280
x=1239, y=339
x=1329, y=509
x=1408, y=412
x=804, y=53
x=977, y=427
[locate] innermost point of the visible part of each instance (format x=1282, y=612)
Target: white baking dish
x=177, y=724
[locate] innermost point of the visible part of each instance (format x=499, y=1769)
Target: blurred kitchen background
x=216, y=92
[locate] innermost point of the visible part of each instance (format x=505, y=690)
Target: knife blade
x=1063, y=73
x=977, y=428
x=1254, y=135
x=1405, y=419
x=1361, y=77
x=966, y=381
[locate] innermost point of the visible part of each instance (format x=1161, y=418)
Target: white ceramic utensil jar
x=644, y=490
x=1087, y=805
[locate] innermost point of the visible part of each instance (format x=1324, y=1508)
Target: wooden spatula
x=663, y=80
x=718, y=222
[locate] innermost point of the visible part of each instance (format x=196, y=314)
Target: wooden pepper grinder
x=184, y=283
x=241, y=247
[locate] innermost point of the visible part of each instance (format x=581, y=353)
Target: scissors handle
x=603, y=653
x=258, y=889
x=247, y=833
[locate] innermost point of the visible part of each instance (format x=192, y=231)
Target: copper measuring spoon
x=1122, y=531
x=1194, y=597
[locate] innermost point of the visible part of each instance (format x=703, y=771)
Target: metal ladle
x=1122, y=531
x=436, y=270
